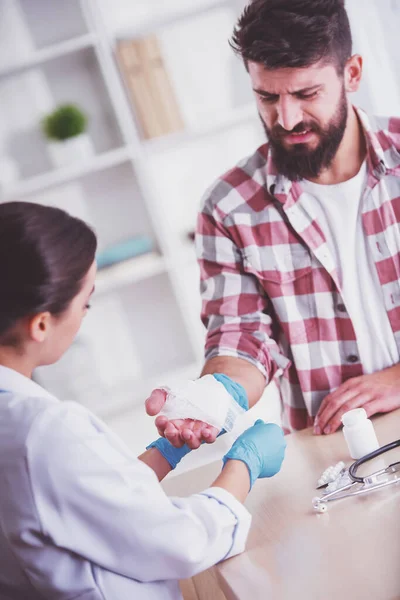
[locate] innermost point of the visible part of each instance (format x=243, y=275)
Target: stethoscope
x=350, y=484
x=393, y=468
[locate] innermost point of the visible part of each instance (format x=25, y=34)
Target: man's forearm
x=241, y=371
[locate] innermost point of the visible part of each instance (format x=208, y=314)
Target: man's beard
x=299, y=162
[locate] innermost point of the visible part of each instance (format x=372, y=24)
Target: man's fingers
x=155, y=402
x=161, y=423
x=327, y=411
x=194, y=433
x=335, y=420
x=345, y=388
x=210, y=434
x=332, y=399
x=186, y=431
x=170, y=430
x=201, y=432
x=172, y=434
x=192, y=441
x=190, y=434
x=198, y=427
x=381, y=405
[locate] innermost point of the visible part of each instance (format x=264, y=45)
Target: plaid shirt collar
x=382, y=157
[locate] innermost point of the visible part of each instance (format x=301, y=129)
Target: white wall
x=375, y=26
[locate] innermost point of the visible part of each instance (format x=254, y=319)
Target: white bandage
x=204, y=399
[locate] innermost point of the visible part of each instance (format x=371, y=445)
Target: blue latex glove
x=170, y=453
x=236, y=390
x=261, y=448
x=174, y=455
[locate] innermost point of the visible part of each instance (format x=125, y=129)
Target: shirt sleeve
x=234, y=307
x=95, y=499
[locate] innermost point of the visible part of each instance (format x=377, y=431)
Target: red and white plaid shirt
x=270, y=289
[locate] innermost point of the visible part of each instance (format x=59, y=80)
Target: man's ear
x=353, y=73
x=39, y=326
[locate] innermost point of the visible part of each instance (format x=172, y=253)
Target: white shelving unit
x=232, y=118
x=55, y=51
x=144, y=328
x=173, y=17
x=39, y=183
x=129, y=271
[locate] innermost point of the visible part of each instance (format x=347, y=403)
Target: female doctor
x=80, y=516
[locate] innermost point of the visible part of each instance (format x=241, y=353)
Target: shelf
x=60, y=176
x=236, y=116
x=157, y=24
x=129, y=271
x=55, y=51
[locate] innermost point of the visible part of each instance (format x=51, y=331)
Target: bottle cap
x=352, y=417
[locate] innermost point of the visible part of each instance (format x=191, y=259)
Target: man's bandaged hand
x=179, y=431
x=216, y=400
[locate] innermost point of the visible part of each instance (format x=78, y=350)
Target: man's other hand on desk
x=376, y=393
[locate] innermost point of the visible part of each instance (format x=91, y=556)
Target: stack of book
x=149, y=87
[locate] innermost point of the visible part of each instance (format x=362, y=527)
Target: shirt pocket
x=276, y=265
x=286, y=277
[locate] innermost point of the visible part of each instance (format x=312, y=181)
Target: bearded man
x=299, y=244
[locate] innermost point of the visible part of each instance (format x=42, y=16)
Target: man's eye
x=307, y=96
x=269, y=99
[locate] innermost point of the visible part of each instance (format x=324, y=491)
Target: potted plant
x=65, y=130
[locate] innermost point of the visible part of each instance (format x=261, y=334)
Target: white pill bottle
x=359, y=433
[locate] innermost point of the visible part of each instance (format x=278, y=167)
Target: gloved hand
x=170, y=453
x=176, y=430
x=261, y=448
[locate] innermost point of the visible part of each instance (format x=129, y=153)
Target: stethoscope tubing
x=353, y=468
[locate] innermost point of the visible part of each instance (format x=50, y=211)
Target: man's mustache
x=278, y=132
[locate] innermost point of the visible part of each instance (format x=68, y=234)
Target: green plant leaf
x=67, y=121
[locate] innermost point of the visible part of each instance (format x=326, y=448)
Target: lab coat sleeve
x=94, y=498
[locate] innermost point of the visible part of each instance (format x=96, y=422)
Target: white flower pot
x=76, y=149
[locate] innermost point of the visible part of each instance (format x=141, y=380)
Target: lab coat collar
x=12, y=381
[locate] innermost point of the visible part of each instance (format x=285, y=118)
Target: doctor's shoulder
x=42, y=428
x=63, y=422
x=67, y=441
x=18, y=414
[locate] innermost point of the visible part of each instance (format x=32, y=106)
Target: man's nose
x=289, y=113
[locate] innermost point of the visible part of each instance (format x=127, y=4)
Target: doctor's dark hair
x=44, y=256
x=293, y=33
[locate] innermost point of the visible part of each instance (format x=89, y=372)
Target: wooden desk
x=350, y=552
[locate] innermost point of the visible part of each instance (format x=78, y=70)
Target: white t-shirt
x=338, y=210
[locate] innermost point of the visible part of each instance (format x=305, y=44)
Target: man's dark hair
x=293, y=33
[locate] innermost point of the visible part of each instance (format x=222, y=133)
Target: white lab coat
x=82, y=517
